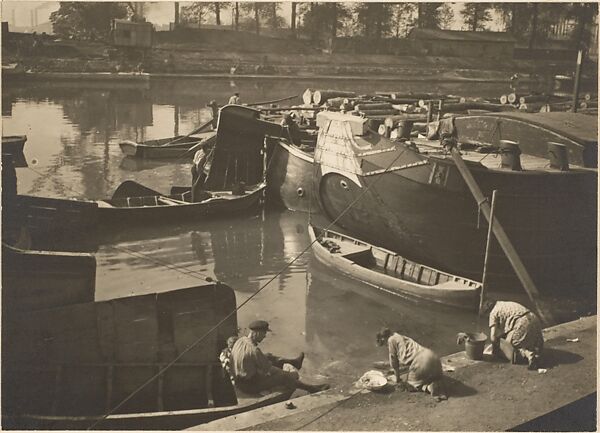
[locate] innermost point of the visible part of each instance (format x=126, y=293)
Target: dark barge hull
x=423, y=209
x=290, y=177
x=63, y=368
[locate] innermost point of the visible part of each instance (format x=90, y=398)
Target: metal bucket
x=474, y=345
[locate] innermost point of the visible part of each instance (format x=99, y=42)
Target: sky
x=159, y=13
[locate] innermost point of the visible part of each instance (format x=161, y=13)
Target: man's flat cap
x=259, y=325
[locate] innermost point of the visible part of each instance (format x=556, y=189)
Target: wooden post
x=487, y=250
x=577, y=79
x=503, y=239
x=440, y=105
x=429, y=109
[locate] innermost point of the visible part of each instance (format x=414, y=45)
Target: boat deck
x=488, y=160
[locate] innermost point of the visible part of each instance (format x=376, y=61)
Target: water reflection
x=330, y=317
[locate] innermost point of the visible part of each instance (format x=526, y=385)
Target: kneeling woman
x=515, y=331
x=424, y=366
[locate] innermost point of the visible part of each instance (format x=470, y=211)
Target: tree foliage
x=322, y=20
x=86, y=20
x=433, y=15
x=373, y=20
x=200, y=12
x=515, y=16
x=197, y=12
x=476, y=15
x=269, y=12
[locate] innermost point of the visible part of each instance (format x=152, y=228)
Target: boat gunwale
x=251, y=193
x=249, y=402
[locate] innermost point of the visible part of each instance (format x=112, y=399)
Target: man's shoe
x=297, y=362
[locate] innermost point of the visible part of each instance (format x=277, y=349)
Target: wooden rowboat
x=65, y=368
x=172, y=147
x=133, y=203
x=390, y=272
x=65, y=220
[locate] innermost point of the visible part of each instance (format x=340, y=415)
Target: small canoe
x=390, y=272
x=172, y=147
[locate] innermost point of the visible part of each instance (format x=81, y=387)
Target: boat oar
x=502, y=237
x=195, y=131
x=198, y=146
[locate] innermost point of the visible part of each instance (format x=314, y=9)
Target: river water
x=73, y=132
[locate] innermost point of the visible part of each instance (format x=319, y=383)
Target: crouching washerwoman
x=424, y=366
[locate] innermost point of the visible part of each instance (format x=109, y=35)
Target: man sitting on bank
x=255, y=371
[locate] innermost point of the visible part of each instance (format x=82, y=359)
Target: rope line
x=171, y=266
x=194, y=344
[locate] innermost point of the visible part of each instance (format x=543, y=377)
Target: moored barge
x=409, y=197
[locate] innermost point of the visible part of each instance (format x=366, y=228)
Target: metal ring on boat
x=344, y=184
x=300, y=192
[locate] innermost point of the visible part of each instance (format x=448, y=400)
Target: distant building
x=127, y=33
x=454, y=43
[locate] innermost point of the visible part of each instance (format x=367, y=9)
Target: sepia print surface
x=176, y=173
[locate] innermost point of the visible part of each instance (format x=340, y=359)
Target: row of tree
x=326, y=21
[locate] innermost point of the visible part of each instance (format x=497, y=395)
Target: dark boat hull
x=56, y=224
x=290, y=177
x=34, y=280
x=13, y=144
x=422, y=208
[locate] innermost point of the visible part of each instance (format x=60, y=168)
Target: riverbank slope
x=245, y=53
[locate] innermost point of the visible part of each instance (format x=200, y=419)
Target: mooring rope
x=195, y=343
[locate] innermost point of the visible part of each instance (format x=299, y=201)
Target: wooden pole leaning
x=503, y=239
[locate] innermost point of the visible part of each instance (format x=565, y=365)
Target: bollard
x=510, y=155
x=404, y=128
x=557, y=153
